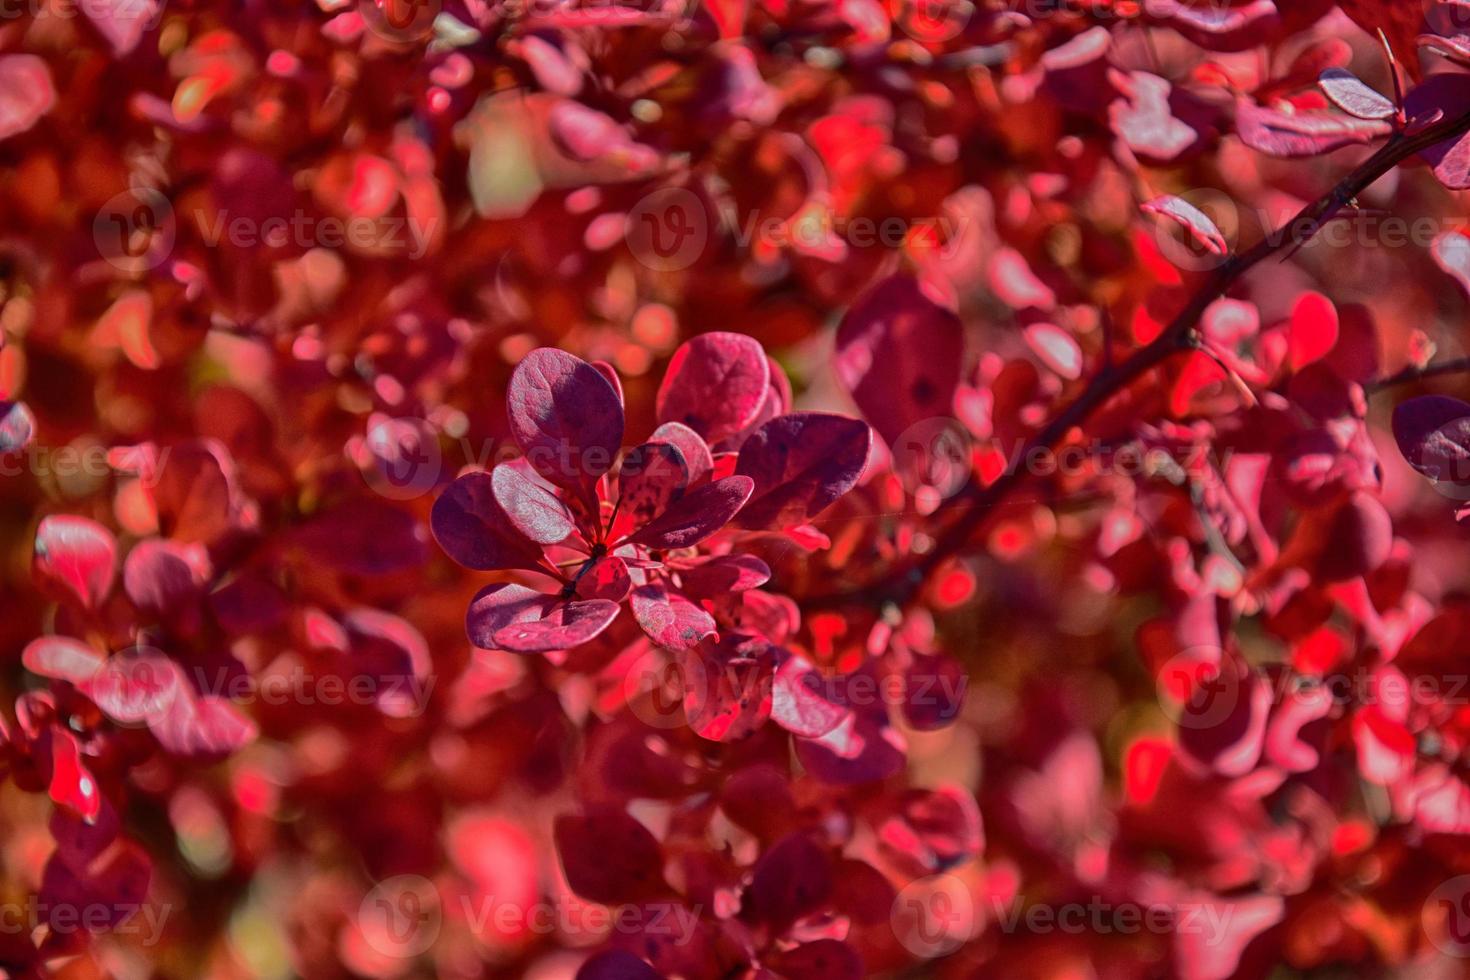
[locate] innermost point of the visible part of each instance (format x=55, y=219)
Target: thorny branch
x=980, y=503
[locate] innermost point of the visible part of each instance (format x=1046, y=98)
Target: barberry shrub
x=735, y=489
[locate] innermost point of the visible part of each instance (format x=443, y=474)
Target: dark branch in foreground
x=1180, y=335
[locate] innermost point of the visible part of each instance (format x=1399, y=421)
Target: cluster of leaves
x=317, y=546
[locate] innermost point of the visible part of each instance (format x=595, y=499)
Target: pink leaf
x=77, y=553
x=1350, y=94
x=17, y=427
x=800, y=702
x=62, y=658
x=1057, y=349
x=1196, y=222
x=532, y=509
x=26, y=93
x=513, y=617
x=1302, y=134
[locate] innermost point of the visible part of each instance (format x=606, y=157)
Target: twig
x=1179, y=335
x=1411, y=374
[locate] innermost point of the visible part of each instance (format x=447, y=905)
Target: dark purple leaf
x=724, y=575
x=801, y=463
x=608, y=856
x=475, y=531
x=566, y=418
x=696, y=515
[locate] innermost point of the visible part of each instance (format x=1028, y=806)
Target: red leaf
x=799, y=701
x=900, y=354
x=652, y=476
x=792, y=879
x=609, y=857
x=115, y=881
x=801, y=463
x=1313, y=330
x=691, y=446
x=566, y=418
x=723, y=575
x=605, y=578
x=669, y=619
x=71, y=784
x=77, y=553
x=513, y=617
x=715, y=384
x=162, y=576
x=696, y=515
x=728, y=687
